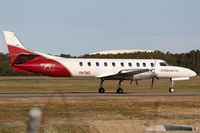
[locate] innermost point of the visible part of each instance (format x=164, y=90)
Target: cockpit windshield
x=164, y=64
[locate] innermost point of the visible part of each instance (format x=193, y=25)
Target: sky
x=79, y=27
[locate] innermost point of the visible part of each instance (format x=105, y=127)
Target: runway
x=95, y=94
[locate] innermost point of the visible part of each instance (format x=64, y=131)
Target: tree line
x=189, y=60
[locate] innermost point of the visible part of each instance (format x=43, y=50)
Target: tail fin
x=27, y=61
x=18, y=53
x=15, y=47
x=11, y=39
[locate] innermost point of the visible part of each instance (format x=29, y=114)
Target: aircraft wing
x=125, y=73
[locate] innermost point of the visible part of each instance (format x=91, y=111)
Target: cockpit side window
x=163, y=64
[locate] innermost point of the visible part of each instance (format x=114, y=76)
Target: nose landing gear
x=172, y=90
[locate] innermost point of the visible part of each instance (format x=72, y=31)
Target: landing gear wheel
x=101, y=90
x=171, y=90
x=119, y=90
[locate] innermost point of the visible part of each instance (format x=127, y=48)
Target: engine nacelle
x=145, y=75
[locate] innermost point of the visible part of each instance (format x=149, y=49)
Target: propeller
x=154, y=76
x=152, y=82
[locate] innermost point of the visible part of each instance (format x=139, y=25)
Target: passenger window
x=113, y=64
x=122, y=64
x=138, y=64
x=144, y=64
x=152, y=64
x=105, y=64
x=81, y=63
x=89, y=63
x=163, y=64
x=97, y=63
x=130, y=64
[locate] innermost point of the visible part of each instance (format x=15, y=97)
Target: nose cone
x=192, y=73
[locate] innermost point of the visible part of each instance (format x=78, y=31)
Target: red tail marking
x=20, y=70
x=45, y=66
x=38, y=65
x=15, y=51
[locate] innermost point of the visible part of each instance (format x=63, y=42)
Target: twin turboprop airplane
x=24, y=60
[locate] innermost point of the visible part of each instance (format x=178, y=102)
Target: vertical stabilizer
x=15, y=47
x=12, y=40
x=27, y=61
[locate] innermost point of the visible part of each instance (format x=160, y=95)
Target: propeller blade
x=152, y=82
x=155, y=76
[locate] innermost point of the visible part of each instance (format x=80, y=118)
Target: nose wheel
x=172, y=90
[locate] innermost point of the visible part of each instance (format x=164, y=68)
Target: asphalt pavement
x=96, y=94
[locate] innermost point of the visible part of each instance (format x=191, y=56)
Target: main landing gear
x=120, y=90
x=102, y=90
x=172, y=90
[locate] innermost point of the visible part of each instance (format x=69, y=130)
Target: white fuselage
x=82, y=67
